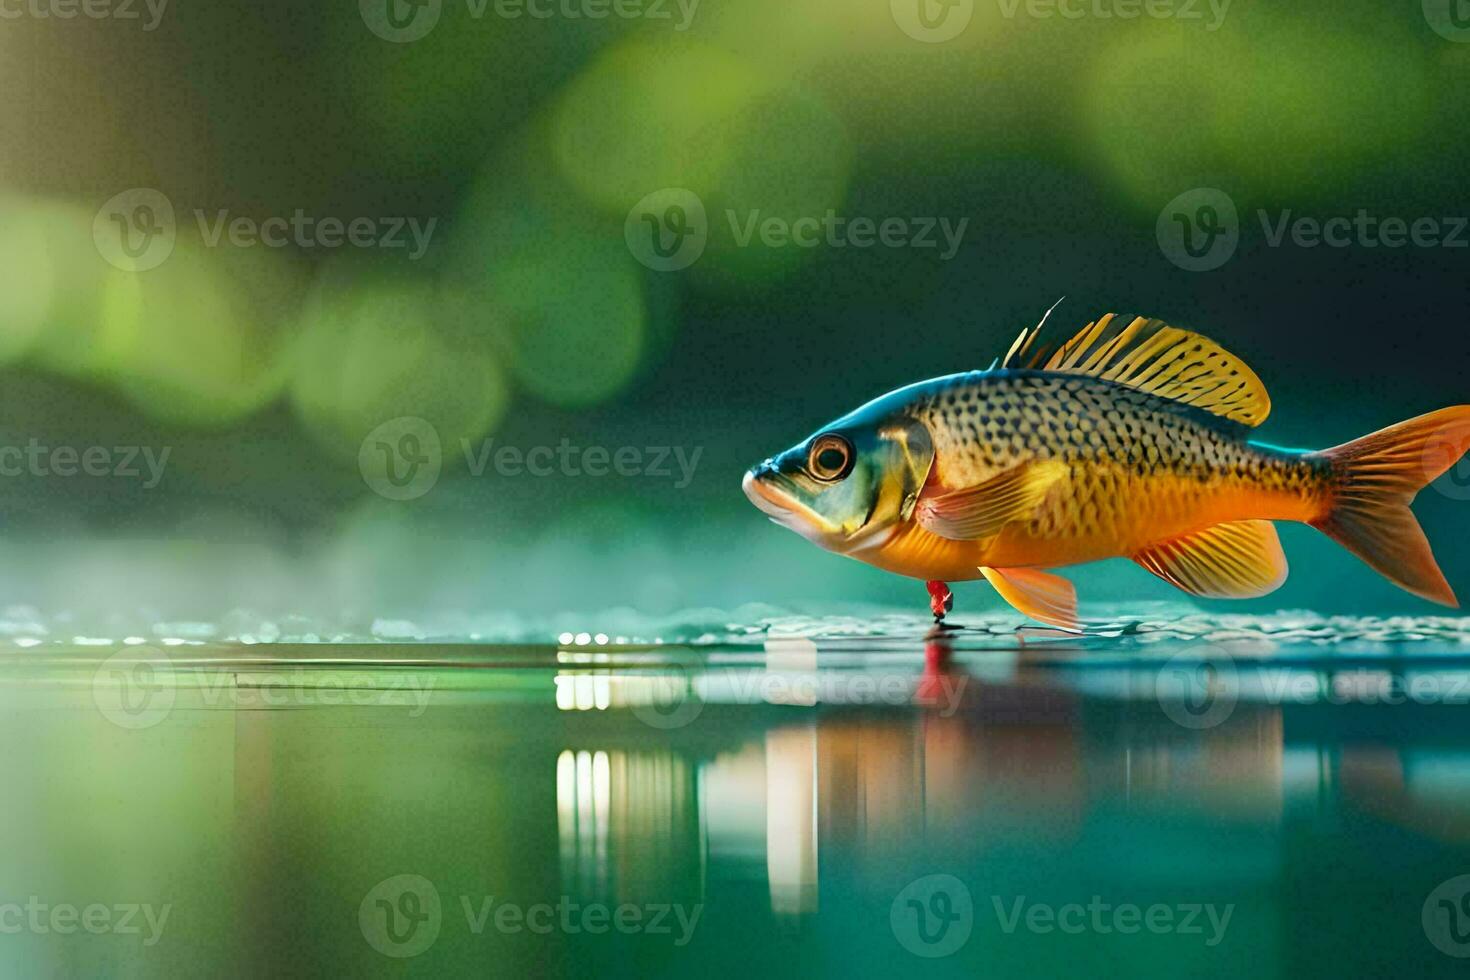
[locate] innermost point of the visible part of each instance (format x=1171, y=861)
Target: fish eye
x=830, y=457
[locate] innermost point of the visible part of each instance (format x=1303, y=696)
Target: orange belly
x=1079, y=525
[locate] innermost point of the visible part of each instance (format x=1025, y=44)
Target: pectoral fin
x=1046, y=598
x=979, y=512
x=1239, y=560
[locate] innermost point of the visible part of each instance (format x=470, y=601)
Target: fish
x=1131, y=439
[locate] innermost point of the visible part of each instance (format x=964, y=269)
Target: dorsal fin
x=1025, y=339
x=1152, y=356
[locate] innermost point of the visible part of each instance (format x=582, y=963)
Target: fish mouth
x=781, y=507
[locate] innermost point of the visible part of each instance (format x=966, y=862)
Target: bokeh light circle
x=375, y=349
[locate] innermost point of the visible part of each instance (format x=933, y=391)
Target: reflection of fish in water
x=1129, y=440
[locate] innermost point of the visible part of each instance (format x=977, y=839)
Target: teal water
x=778, y=796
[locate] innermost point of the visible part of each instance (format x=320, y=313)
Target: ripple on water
x=753, y=625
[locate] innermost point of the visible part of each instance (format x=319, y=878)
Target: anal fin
x=1045, y=598
x=1236, y=560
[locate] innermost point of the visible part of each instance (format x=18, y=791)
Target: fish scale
x=1141, y=468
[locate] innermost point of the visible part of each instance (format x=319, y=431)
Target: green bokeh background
x=528, y=319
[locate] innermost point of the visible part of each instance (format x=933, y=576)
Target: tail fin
x=1375, y=478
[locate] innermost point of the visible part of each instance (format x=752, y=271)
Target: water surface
x=781, y=796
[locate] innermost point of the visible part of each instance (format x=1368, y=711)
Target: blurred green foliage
x=524, y=143
x=530, y=139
